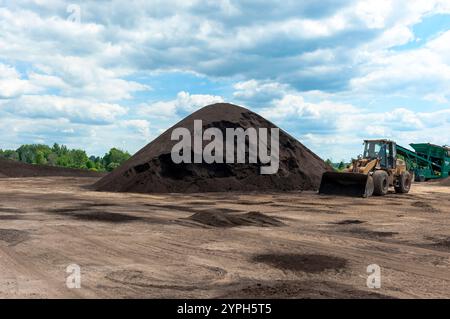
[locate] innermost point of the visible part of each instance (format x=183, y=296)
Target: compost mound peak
x=152, y=170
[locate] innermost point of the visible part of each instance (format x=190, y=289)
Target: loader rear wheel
x=404, y=183
x=380, y=183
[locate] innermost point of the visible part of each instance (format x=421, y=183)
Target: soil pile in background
x=10, y=168
x=152, y=170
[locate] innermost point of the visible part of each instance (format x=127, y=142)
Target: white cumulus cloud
x=75, y=110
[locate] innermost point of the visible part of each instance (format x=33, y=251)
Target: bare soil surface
x=445, y=182
x=211, y=245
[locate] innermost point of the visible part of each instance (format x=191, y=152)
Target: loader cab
x=385, y=150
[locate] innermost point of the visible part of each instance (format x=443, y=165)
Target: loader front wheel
x=369, y=187
x=404, y=183
x=380, y=183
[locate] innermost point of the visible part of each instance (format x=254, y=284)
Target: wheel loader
x=372, y=173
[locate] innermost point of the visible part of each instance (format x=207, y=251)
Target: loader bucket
x=347, y=184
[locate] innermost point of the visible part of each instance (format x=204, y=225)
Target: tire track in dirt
x=27, y=268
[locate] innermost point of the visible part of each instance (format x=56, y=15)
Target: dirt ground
x=277, y=245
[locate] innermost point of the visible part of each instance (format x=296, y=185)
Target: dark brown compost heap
x=152, y=170
x=10, y=168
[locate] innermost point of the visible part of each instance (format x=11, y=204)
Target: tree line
x=61, y=155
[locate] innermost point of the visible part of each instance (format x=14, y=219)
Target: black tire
x=369, y=187
x=404, y=183
x=380, y=183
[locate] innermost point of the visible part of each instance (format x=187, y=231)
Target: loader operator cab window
x=379, y=150
x=372, y=150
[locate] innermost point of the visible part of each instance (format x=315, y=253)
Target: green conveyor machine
x=427, y=161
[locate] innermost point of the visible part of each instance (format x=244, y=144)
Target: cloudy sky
x=98, y=74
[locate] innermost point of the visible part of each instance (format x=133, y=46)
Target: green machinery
x=428, y=161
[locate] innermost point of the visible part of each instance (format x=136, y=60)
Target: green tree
x=99, y=166
x=112, y=166
x=40, y=158
x=26, y=154
x=29, y=152
x=63, y=160
x=56, y=149
x=78, y=159
x=52, y=159
x=9, y=154
x=90, y=165
x=114, y=158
